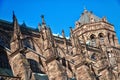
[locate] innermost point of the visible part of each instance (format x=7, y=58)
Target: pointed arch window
x=101, y=38
x=34, y=65
x=93, y=40
x=28, y=43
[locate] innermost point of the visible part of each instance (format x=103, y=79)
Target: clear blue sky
x=59, y=14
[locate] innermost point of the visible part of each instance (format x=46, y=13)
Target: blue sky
x=59, y=14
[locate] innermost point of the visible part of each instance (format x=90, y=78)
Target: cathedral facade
x=91, y=53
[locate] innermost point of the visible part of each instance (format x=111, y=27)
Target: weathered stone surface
x=83, y=73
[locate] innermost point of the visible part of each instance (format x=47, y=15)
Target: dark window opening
x=93, y=40
x=93, y=57
x=69, y=67
x=101, y=38
x=109, y=37
x=34, y=66
x=63, y=62
x=4, y=63
x=113, y=38
x=28, y=43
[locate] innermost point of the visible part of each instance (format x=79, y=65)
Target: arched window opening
x=28, y=43
x=101, y=38
x=113, y=38
x=4, y=63
x=34, y=66
x=63, y=62
x=109, y=37
x=93, y=40
x=93, y=56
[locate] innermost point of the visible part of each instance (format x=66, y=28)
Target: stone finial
x=63, y=34
x=43, y=21
x=71, y=31
x=14, y=17
x=24, y=24
x=104, y=19
x=77, y=23
x=70, y=28
x=39, y=26
x=16, y=25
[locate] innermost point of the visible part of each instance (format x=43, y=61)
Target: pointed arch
x=28, y=42
x=34, y=65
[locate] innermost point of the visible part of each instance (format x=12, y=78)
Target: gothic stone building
x=91, y=53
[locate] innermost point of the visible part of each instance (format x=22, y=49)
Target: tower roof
x=86, y=17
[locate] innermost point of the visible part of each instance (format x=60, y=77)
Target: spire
x=24, y=24
x=63, y=34
x=14, y=17
x=16, y=26
x=43, y=21
x=16, y=42
x=39, y=26
x=71, y=32
x=72, y=37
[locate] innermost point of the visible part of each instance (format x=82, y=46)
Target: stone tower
x=97, y=30
x=99, y=34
